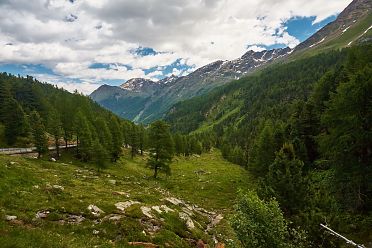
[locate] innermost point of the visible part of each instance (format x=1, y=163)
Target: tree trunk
x=57, y=146
x=156, y=172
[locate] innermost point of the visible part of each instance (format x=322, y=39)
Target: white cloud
x=198, y=31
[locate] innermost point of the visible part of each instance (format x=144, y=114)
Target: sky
x=82, y=44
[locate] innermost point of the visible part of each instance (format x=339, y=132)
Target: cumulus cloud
x=68, y=36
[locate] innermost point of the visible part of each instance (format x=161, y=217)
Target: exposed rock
x=121, y=193
x=166, y=208
x=189, y=223
x=146, y=211
x=10, y=217
x=42, y=214
x=113, y=217
x=157, y=209
x=96, y=211
x=220, y=245
x=53, y=160
x=95, y=232
x=112, y=181
x=143, y=244
x=123, y=205
x=187, y=211
x=13, y=163
x=200, y=244
x=152, y=225
x=58, y=187
x=217, y=219
x=75, y=219
x=174, y=201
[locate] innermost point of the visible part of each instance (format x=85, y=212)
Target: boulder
x=10, y=217
x=146, y=211
x=166, y=208
x=96, y=211
x=174, y=201
x=189, y=223
x=42, y=214
x=123, y=205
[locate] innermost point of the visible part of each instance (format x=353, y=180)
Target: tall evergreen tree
x=117, y=138
x=38, y=133
x=348, y=140
x=55, y=128
x=161, y=147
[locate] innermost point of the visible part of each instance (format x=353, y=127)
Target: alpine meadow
x=136, y=123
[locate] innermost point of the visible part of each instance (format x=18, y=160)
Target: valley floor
x=71, y=204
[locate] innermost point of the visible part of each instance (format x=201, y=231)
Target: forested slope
x=39, y=114
x=304, y=129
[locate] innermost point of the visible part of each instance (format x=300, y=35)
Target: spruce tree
x=347, y=142
x=38, y=133
x=161, y=148
x=117, y=138
x=55, y=128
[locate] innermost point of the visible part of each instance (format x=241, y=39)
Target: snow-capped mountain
x=143, y=100
x=158, y=97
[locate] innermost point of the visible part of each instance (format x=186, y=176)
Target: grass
x=28, y=186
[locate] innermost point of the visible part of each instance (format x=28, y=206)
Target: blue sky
x=84, y=44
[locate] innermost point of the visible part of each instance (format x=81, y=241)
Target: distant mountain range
x=142, y=100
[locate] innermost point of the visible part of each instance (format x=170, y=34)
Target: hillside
x=350, y=26
x=142, y=100
x=303, y=128
x=51, y=199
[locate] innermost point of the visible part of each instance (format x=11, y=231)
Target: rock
x=123, y=205
x=200, y=244
x=120, y=193
x=95, y=232
x=187, y=211
x=166, y=208
x=174, y=201
x=10, y=217
x=112, y=181
x=157, y=209
x=143, y=244
x=96, y=211
x=13, y=163
x=189, y=223
x=58, y=187
x=146, y=211
x=75, y=219
x=42, y=214
x=36, y=187
x=53, y=160
x=220, y=245
x=217, y=219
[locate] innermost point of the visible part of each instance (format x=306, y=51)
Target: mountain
x=352, y=25
x=143, y=100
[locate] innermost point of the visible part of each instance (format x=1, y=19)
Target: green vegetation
x=63, y=190
x=303, y=129
x=161, y=148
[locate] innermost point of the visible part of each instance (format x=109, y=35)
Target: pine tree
x=263, y=153
x=117, y=138
x=286, y=180
x=84, y=137
x=347, y=142
x=104, y=135
x=100, y=154
x=55, y=128
x=161, y=148
x=38, y=133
